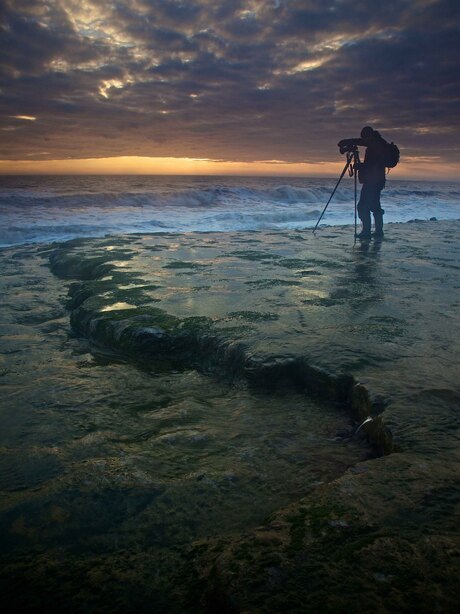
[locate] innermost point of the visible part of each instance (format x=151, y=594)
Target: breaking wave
x=197, y=197
x=44, y=209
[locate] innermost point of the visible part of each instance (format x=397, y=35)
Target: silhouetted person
x=371, y=173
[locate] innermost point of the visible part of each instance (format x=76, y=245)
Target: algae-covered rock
x=199, y=466
x=360, y=402
x=118, y=314
x=335, y=552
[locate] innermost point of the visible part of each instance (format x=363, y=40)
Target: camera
x=348, y=145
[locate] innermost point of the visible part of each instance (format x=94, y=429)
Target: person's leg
x=377, y=211
x=378, y=221
x=364, y=213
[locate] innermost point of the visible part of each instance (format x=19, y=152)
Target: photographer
x=371, y=173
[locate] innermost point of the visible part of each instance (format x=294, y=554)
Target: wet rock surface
x=244, y=352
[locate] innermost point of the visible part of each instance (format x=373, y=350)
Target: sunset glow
x=224, y=88
x=413, y=168
x=164, y=166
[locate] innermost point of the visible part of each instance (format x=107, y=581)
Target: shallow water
x=96, y=451
x=145, y=427
x=386, y=312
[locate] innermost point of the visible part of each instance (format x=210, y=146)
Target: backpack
x=391, y=155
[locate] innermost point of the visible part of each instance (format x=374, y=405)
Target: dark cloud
x=228, y=79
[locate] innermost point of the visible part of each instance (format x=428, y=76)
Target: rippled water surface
x=95, y=449
x=127, y=426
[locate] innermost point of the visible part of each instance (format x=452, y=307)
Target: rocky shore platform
x=253, y=422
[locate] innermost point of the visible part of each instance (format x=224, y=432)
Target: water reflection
x=363, y=282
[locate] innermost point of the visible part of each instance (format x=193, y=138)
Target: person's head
x=367, y=132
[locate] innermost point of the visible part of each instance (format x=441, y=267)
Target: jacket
x=372, y=170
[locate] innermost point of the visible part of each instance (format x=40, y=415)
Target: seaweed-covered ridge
x=117, y=309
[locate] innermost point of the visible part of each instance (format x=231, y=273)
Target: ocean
x=36, y=209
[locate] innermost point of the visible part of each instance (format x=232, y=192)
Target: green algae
x=73, y=266
x=294, y=263
x=320, y=546
x=308, y=272
x=178, y=264
x=253, y=316
x=252, y=255
x=323, y=301
x=271, y=283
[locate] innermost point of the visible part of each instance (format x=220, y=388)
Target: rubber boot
x=378, y=221
x=366, y=222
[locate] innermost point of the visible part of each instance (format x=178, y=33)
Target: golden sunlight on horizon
x=412, y=168
x=164, y=166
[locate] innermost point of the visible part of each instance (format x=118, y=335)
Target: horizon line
x=409, y=169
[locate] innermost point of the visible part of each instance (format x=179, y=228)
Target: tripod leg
x=364, y=212
x=356, y=198
x=333, y=192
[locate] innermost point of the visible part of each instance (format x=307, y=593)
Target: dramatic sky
x=267, y=85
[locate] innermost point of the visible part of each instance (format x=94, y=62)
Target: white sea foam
x=44, y=209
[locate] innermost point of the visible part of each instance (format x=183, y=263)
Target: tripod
x=352, y=166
